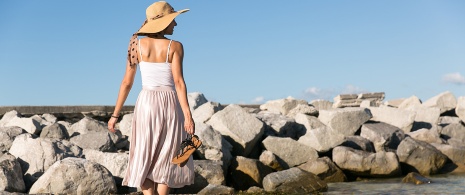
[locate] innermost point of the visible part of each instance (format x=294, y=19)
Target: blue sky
x=73, y=52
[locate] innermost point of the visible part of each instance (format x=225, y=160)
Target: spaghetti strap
x=168, y=53
x=140, y=51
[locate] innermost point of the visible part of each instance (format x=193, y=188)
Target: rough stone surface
x=361, y=163
x=214, y=146
x=358, y=143
x=455, y=153
x=294, y=181
x=322, y=139
x=426, y=135
x=87, y=125
x=446, y=120
x=411, y=102
x=240, y=128
x=36, y=155
x=346, y=121
x=11, y=176
x=206, y=172
x=460, y=109
x=445, y=101
x=204, y=112
x=455, y=130
x=255, y=190
x=196, y=99
x=415, y=178
x=419, y=156
x=100, y=141
x=54, y=131
x=325, y=169
x=400, y=118
x=28, y=124
x=7, y=135
x=322, y=104
x=303, y=109
x=216, y=189
x=270, y=160
x=125, y=125
x=282, y=106
x=384, y=137
x=308, y=122
x=8, y=116
x=394, y=103
x=246, y=172
x=75, y=176
x=116, y=163
x=279, y=125
x=290, y=153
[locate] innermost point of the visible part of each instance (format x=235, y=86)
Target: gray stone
x=54, y=131
x=384, y=137
x=206, y=172
x=303, y=109
x=309, y=122
x=454, y=153
x=361, y=163
x=100, y=141
x=11, y=176
x=280, y=125
x=425, y=117
x=125, y=125
x=28, y=124
x=455, y=142
x=217, y=190
x=7, y=135
x=75, y=176
x=36, y=155
x=325, y=169
x=282, y=106
x=246, y=172
x=445, y=101
x=240, y=128
x=8, y=116
x=358, y=143
x=49, y=118
x=322, y=139
x=255, y=190
x=270, y=160
x=86, y=125
x=455, y=130
x=204, y=112
x=460, y=109
x=195, y=100
x=394, y=103
x=322, y=104
x=290, y=153
x=411, y=102
x=446, y=120
x=116, y=163
x=294, y=181
x=426, y=135
x=214, y=146
x=419, y=156
x=400, y=118
x=415, y=178
x=345, y=121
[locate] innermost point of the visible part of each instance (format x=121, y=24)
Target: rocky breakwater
x=285, y=146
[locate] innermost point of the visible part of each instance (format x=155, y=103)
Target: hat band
x=161, y=15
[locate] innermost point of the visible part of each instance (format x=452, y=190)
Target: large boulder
x=214, y=146
x=303, y=109
x=419, y=156
x=322, y=139
x=240, y=128
x=307, y=123
x=7, y=135
x=11, y=176
x=455, y=153
x=282, y=106
x=54, y=131
x=411, y=102
x=321, y=104
x=426, y=135
x=358, y=143
x=100, y=141
x=400, y=118
x=125, y=125
x=195, y=100
x=394, y=102
x=445, y=101
x=280, y=125
x=346, y=121
x=294, y=181
x=246, y=172
x=384, y=137
x=325, y=169
x=75, y=176
x=361, y=163
x=204, y=112
x=270, y=160
x=206, y=172
x=8, y=116
x=86, y=125
x=290, y=153
x=36, y=155
x=28, y=124
x=460, y=109
x=455, y=130
x=116, y=163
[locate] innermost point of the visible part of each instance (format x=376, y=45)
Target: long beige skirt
x=157, y=133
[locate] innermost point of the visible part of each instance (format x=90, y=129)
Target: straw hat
x=159, y=15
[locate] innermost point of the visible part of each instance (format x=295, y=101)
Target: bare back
x=154, y=50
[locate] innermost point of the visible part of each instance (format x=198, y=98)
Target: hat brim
x=154, y=26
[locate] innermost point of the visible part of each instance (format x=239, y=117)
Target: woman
x=161, y=115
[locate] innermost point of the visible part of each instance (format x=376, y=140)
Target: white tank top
x=155, y=74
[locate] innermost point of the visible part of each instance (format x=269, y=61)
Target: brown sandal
x=188, y=146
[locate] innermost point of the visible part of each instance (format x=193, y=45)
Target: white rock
x=28, y=124
x=400, y=118
x=345, y=121
x=204, y=112
x=11, y=176
x=195, y=99
x=446, y=101
x=460, y=110
x=116, y=163
x=282, y=106
x=8, y=116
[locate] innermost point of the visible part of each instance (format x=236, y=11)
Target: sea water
x=441, y=184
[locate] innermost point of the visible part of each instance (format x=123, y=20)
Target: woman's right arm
x=124, y=90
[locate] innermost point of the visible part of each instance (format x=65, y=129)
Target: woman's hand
x=111, y=124
x=189, y=125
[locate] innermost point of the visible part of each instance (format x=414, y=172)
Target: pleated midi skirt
x=157, y=133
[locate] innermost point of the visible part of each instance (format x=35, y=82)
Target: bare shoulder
x=176, y=45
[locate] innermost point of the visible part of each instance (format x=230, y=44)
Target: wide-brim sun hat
x=159, y=15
